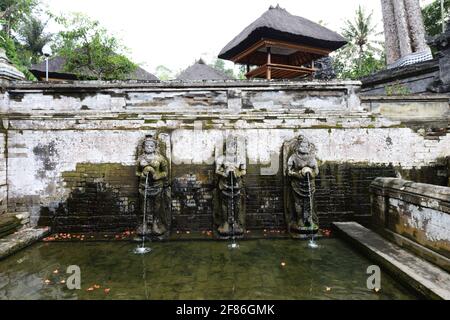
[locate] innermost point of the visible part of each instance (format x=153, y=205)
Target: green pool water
x=194, y=270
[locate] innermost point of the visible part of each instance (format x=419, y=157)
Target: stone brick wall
x=71, y=148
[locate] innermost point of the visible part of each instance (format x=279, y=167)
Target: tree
x=362, y=55
x=432, y=16
x=12, y=12
x=90, y=51
x=163, y=73
x=219, y=64
x=33, y=38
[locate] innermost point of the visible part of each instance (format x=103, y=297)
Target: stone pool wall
x=71, y=147
x=419, y=212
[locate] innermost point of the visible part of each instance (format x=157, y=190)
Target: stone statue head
x=304, y=147
x=150, y=145
x=231, y=146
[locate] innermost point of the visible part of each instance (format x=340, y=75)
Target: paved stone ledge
x=418, y=274
x=21, y=239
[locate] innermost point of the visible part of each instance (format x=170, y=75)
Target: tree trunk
x=401, y=19
x=416, y=26
x=390, y=32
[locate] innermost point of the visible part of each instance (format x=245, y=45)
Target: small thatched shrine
x=201, y=71
x=281, y=45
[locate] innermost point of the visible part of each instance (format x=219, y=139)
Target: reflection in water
x=261, y=269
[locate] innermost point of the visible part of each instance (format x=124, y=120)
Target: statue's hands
x=306, y=171
x=148, y=170
x=295, y=174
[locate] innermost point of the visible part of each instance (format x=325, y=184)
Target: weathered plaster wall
x=3, y=185
x=71, y=147
x=420, y=212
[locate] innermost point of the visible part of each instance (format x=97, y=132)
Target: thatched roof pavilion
x=281, y=45
x=201, y=71
x=56, y=71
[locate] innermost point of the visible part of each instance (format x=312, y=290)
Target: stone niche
x=70, y=148
x=415, y=211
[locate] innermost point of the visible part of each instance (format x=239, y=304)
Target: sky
x=176, y=33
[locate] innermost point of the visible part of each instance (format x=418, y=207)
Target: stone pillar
x=390, y=32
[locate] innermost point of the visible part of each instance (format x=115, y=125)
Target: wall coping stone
x=154, y=85
x=424, y=195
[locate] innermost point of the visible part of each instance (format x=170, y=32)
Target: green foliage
x=365, y=64
x=432, y=17
x=397, y=89
x=219, y=64
x=163, y=73
x=363, y=54
x=12, y=53
x=13, y=12
x=91, y=52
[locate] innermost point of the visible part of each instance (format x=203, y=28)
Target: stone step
x=416, y=273
x=8, y=224
x=21, y=239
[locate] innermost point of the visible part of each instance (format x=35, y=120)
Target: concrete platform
x=416, y=273
x=21, y=239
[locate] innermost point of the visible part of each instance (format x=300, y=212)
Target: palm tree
x=364, y=52
x=361, y=33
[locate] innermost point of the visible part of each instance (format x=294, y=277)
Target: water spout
x=143, y=249
x=312, y=243
x=231, y=217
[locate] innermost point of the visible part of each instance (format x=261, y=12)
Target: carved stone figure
x=324, y=69
x=154, y=190
x=301, y=170
x=230, y=193
x=442, y=43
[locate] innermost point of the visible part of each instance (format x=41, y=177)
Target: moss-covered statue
x=154, y=190
x=301, y=170
x=230, y=193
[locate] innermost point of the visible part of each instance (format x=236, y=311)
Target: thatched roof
x=201, y=71
x=56, y=70
x=278, y=24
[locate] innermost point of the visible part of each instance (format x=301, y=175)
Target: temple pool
x=260, y=269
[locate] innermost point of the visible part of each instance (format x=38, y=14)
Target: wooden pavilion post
x=269, y=61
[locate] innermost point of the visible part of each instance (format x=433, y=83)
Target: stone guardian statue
x=154, y=189
x=301, y=170
x=230, y=194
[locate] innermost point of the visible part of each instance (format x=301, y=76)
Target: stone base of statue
x=301, y=231
x=227, y=231
x=152, y=231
